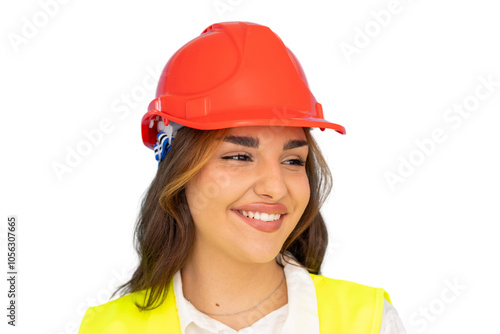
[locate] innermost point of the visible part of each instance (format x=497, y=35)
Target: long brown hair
x=164, y=231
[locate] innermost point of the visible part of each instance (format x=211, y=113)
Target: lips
x=263, y=226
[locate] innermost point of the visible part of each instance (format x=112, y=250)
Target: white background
x=437, y=228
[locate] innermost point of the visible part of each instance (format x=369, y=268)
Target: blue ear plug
x=164, y=139
x=162, y=147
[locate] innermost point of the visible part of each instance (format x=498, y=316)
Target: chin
x=260, y=253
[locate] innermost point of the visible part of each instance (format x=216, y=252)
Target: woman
x=230, y=235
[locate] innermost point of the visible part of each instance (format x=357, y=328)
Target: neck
x=224, y=285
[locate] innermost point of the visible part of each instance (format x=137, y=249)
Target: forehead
x=280, y=133
x=265, y=137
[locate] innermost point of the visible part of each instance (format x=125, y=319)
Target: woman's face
x=251, y=194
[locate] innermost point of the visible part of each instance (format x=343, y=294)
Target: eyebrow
x=254, y=142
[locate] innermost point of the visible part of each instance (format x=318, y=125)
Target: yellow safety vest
x=343, y=308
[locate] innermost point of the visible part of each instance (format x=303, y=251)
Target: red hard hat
x=234, y=74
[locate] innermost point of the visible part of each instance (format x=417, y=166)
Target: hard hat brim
x=212, y=122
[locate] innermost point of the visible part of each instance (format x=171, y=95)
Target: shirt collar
x=302, y=303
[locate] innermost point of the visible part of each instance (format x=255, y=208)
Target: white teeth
x=261, y=215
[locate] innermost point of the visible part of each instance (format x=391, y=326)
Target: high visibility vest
x=343, y=308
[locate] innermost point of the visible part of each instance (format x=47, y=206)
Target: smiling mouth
x=262, y=216
x=262, y=225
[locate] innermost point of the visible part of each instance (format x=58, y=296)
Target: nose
x=270, y=181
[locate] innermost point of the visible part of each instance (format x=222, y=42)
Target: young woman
x=230, y=236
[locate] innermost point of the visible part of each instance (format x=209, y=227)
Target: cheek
x=302, y=191
x=210, y=191
x=197, y=202
x=300, y=195
x=198, y=194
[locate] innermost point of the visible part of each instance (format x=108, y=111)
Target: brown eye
x=296, y=162
x=242, y=157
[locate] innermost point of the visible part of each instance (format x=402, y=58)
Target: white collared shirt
x=299, y=316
